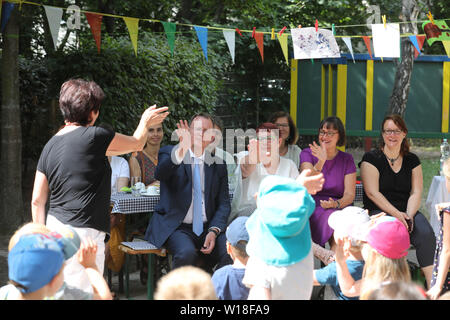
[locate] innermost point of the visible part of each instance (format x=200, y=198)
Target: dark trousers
x=184, y=246
x=422, y=238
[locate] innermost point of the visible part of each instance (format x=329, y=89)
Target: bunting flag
x=446, y=44
x=367, y=42
x=170, y=29
x=95, y=21
x=420, y=41
x=132, y=25
x=54, y=16
x=413, y=40
x=348, y=43
x=5, y=13
x=230, y=36
x=259, y=38
x=202, y=35
x=283, y=39
x=383, y=38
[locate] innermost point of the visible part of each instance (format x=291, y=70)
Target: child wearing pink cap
x=386, y=244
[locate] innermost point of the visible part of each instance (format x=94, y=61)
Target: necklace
x=391, y=160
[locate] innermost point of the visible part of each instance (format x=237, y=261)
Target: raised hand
x=87, y=253
x=253, y=151
x=183, y=134
x=312, y=183
x=318, y=151
x=154, y=115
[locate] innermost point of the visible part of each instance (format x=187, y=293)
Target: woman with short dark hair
x=73, y=169
x=339, y=171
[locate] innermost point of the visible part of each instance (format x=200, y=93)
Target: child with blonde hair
x=386, y=244
x=185, y=283
x=343, y=222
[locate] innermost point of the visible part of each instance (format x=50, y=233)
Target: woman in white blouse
x=263, y=159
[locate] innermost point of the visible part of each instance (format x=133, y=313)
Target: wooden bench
x=141, y=247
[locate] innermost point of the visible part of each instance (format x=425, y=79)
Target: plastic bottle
x=445, y=153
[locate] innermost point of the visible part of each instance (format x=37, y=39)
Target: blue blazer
x=176, y=196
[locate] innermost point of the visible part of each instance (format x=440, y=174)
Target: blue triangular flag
x=6, y=13
x=413, y=39
x=202, y=34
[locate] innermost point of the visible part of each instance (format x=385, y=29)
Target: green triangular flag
x=170, y=28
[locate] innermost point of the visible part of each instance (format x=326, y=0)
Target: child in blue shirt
x=228, y=279
x=343, y=222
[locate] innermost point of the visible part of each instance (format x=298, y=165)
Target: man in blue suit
x=191, y=217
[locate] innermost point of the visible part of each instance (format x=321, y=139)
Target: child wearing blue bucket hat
x=36, y=261
x=280, y=265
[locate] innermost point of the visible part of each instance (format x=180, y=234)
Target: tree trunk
x=11, y=202
x=107, y=7
x=399, y=97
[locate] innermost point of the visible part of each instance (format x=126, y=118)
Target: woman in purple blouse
x=339, y=171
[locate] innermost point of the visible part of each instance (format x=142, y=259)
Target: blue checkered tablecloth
x=126, y=203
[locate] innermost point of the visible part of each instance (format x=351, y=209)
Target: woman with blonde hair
x=385, y=247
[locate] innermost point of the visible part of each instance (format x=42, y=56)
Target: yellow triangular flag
x=283, y=39
x=132, y=25
x=447, y=47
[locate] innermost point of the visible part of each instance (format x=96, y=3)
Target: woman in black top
x=393, y=183
x=73, y=167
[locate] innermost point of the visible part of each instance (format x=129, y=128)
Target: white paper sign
x=312, y=44
x=386, y=40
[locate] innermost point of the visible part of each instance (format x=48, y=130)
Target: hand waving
x=312, y=183
x=154, y=115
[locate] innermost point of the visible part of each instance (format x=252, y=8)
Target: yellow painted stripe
x=445, y=95
x=369, y=95
x=322, y=94
x=330, y=90
x=341, y=95
x=294, y=88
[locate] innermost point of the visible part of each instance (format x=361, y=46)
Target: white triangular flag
x=54, y=16
x=229, y=36
x=348, y=43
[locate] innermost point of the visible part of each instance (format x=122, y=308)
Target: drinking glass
x=135, y=191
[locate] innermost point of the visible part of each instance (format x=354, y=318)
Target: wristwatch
x=214, y=230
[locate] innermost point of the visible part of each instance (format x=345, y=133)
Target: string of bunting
x=308, y=42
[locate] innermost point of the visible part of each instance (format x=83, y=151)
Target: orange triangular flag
x=367, y=42
x=95, y=21
x=259, y=38
x=420, y=41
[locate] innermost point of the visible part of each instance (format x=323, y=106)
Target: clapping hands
x=318, y=151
